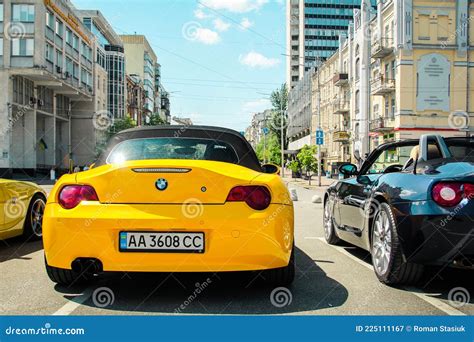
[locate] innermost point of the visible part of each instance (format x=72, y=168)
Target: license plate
x=170, y=242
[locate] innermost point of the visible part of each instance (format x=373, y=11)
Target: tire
x=62, y=276
x=33, y=227
x=386, y=251
x=329, y=232
x=283, y=276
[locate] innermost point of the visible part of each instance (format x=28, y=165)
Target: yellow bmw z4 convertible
x=171, y=199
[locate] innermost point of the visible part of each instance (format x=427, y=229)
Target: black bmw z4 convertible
x=411, y=204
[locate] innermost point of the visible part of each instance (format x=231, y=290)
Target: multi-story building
x=110, y=57
x=404, y=72
x=300, y=113
x=46, y=73
x=135, y=98
x=162, y=98
x=255, y=132
x=313, y=30
x=141, y=61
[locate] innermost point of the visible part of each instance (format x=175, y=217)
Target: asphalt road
x=330, y=281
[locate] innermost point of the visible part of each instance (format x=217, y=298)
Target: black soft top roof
x=245, y=153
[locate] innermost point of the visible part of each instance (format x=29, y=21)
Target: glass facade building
x=115, y=65
x=314, y=27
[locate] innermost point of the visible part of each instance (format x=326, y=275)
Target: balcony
x=382, y=48
x=340, y=79
x=341, y=137
x=341, y=107
x=381, y=125
x=382, y=86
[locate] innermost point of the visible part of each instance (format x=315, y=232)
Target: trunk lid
x=166, y=181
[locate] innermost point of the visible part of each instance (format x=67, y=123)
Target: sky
x=220, y=59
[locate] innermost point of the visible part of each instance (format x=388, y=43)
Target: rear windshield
x=172, y=148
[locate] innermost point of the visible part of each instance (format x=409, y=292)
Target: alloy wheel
x=36, y=217
x=382, y=243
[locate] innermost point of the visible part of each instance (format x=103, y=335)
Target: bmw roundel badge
x=161, y=184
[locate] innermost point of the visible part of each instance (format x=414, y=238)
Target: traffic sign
x=265, y=130
x=319, y=134
x=319, y=141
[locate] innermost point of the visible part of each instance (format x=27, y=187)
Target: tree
x=156, y=120
x=279, y=101
x=271, y=153
x=308, y=161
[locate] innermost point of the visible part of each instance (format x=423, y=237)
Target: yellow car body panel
x=237, y=238
x=15, y=197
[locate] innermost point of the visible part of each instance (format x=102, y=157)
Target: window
x=50, y=20
x=23, y=47
x=75, y=71
x=24, y=13
x=59, y=59
x=1, y=46
x=69, y=36
x=69, y=67
x=357, y=69
x=387, y=113
x=393, y=108
x=49, y=53
x=1, y=13
x=394, y=70
x=59, y=28
x=75, y=42
x=357, y=101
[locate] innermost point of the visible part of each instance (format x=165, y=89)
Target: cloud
x=200, y=14
x=221, y=25
x=235, y=6
x=257, y=60
x=246, y=23
x=206, y=36
x=256, y=106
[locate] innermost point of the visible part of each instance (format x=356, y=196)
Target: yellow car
x=21, y=209
x=171, y=199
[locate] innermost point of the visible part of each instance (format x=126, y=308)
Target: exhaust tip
x=89, y=266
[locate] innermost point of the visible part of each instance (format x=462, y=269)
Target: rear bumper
x=434, y=235
x=237, y=238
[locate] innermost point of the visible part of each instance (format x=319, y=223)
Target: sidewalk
x=325, y=182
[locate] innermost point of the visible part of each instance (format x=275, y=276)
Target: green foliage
x=309, y=162
x=279, y=101
x=294, y=166
x=120, y=125
x=156, y=120
x=272, y=150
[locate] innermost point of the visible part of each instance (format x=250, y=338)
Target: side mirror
x=271, y=169
x=348, y=170
x=365, y=180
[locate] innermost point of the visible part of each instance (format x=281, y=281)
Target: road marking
x=439, y=304
x=74, y=303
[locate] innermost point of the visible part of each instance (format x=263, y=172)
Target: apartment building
x=142, y=61
x=401, y=73
x=47, y=75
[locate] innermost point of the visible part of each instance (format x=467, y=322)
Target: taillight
x=71, y=195
x=451, y=194
x=256, y=197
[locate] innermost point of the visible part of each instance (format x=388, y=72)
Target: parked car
x=411, y=204
x=21, y=209
x=171, y=199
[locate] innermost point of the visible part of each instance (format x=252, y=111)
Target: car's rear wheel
x=329, y=233
x=283, y=276
x=62, y=276
x=386, y=251
x=33, y=228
